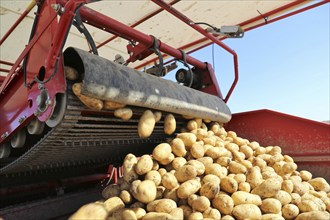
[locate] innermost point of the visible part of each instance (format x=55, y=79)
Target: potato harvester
x=120, y=51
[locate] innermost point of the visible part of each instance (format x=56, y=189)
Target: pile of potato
x=209, y=173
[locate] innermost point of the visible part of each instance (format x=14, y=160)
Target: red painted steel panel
x=307, y=141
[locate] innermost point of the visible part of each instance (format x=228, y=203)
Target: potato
x=227, y=217
x=187, y=188
x=169, y=181
x=145, y=191
x=160, y=192
x=162, y=171
x=195, y=216
x=246, y=150
x=144, y=165
x=257, y=161
x=200, y=134
x=211, y=213
x=177, y=213
x=283, y=197
x=236, y=168
x=165, y=205
x=186, y=172
x=188, y=139
x=223, y=161
x=320, y=203
x=201, y=204
x=169, y=124
x=154, y=176
x=129, y=174
x=192, y=125
x=271, y=205
x=246, y=211
x=200, y=168
x=111, y=191
x=268, y=188
x=215, y=127
x=113, y=204
x=125, y=196
x=92, y=103
x=223, y=203
x=71, y=73
x=172, y=194
x=299, y=187
x=238, y=156
x=320, y=184
x=162, y=153
x=246, y=163
x=215, y=152
x=205, y=160
x=178, y=147
x=287, y=186
x=295, y=198
x=275, y=150
x=289, y=167
x=178, y=162
x=157, y=215
x=241, y=197
x=128, y=214
x=309, y=205
x=110, y=105
x=90, y=211
x=158, y=116
x=313, y=215
x=275, y=158
x=209, y=190
x=209, y=140
x=240, y=178
x=290, y=211
x=216, y=169
x=287, y=158
x=210, y=178
x=305, y=175
x=146, y=124
x=151, y=207
x=197, y=150
x=191, y=198
x=272, y=217
x=244, y=187
x=254, y=177
x=265, y=157
x=124, y=113
x=139, y=212
x=232, y=147
x=228, y=185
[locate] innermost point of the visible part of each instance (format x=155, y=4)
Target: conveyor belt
x=85, y=138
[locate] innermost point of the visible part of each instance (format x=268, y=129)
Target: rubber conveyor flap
x=107, y=80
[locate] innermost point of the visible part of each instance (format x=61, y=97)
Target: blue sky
x=283, y=66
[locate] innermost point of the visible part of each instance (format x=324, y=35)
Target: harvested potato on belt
x=210, y=174
x=92, y=103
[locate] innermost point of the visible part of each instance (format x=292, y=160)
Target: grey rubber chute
x=107, y=80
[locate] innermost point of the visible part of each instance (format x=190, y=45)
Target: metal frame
x=204, y=40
